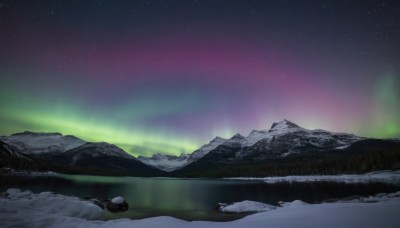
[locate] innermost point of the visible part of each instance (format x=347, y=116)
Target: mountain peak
x=237, y=136
x=284, y=124
x=218, y=139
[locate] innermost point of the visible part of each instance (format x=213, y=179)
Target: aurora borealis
x=168, y=76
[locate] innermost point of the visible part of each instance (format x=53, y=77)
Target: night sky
x=168, y=76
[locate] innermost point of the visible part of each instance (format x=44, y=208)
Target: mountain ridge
x=267, y=136
x=285, y=146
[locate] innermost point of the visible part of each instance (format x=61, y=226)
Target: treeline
x=39, y=166
x=18, y=163
x=24, y=163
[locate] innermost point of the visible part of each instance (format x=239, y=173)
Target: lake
x=189, y=199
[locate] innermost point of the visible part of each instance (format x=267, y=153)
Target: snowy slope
x=385, y=176
x=203, y=150
x=170, y=163
x=317, y=137
x=236, y=140
x=99, y=149
x=40, y=143
x=165, y=162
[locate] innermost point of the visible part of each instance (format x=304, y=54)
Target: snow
x=24, y=209
x=246, y=206
x=118, y=200
x=235, y=140
x=316, y=137
x=165, y=162
x=99, y=149
x=170, y=163
x=11, y=172
x=381, y=176
x=39, y=143
x=203, y=150
x=342, y=147
x=290, y=152
x=255, y=136
x=294, y=203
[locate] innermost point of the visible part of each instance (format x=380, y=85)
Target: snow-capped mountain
x=165, y=162
x=100, y=155
x=298, y=134
x=39, y=143
x=283, y=139
x=203, y=150
x=49, y=144
x=98, y=150
x=170, y=163
x=69, y=151
x=286, y=138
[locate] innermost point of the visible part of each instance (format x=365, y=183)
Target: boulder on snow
x=117, y=204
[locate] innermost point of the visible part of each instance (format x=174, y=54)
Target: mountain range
x=284, y=149
x=281, y=140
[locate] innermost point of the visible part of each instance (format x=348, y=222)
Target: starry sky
x=168, y=76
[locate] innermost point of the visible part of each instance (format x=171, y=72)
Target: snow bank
x=24, y=209
x=246, y=206
x=294, y=203
x=392, y=177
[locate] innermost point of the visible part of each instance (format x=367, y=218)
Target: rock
x=117, y=204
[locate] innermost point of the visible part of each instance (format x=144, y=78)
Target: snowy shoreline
x=46, y=209
x=385, y=176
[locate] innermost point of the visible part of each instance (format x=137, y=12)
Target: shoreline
x=46, y=209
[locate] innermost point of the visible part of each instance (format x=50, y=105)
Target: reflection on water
x=190, y=199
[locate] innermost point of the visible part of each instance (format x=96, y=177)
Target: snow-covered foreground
x=392, y=177
x=25, y=209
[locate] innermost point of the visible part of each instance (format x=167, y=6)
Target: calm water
x=189, y=199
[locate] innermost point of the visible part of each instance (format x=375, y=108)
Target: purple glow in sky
x=175, y=74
